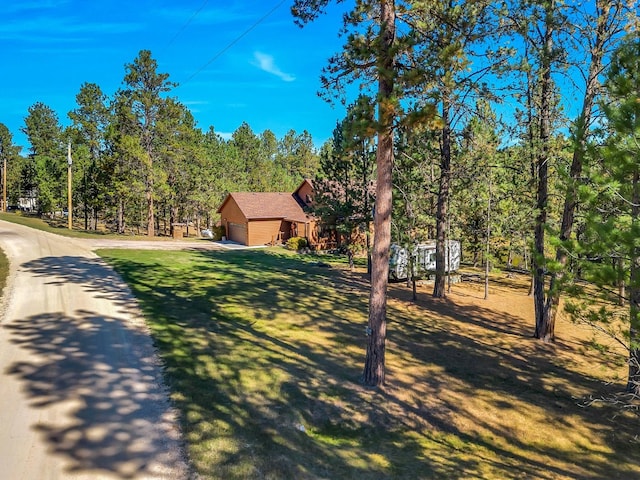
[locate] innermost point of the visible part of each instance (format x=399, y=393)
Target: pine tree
x=145, y=86
x=601, y=27
x=371, y=55
x=89, y=122
x=9, y=160
x=124, y=170
x=414, y=199
x=48, y=157
x=344, y=186
x=613, y=225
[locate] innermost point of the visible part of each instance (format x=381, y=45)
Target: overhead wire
x=186, y=24
x=234, y=41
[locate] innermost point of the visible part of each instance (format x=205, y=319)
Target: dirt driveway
x=81, y=394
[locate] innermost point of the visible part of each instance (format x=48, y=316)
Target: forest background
x=505, y=125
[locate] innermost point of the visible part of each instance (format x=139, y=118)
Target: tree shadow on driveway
x=97, y=379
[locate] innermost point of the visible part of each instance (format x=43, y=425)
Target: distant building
x=269, y=218
x=29, y=201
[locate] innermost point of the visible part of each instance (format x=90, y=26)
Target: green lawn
x=4, y=271
x=59, y=226
x=264, y=349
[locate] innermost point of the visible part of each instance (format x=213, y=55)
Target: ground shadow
x=352, y=432
x=101, y=375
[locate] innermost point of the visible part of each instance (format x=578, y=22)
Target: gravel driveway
x=81, y=395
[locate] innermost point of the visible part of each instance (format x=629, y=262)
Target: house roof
x=267, y=205
x=304, y=182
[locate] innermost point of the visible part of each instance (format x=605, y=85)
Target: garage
x=263, y=218
x=237, y=232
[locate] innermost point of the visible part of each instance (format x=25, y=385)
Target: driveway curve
x=81, y=395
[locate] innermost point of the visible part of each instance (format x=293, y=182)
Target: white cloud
x=189, y=103
x=266, y=63
x=65, y=30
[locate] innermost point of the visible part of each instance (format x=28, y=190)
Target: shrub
x=297, y=243
x=218, y=232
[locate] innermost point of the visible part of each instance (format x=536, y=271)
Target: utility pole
x=4, y=178
x=4, y=183
x=70, y=207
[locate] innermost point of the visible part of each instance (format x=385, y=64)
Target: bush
x=297, y=243
x=218, y=232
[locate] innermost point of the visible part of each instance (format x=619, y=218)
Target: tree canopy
x=479, y=121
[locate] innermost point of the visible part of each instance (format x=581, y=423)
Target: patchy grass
x=4, y=271
x=263, y=351
x=59, y=225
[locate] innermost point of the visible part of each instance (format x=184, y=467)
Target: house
x=267, y=218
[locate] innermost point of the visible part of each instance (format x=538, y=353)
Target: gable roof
x=306, y=181
x=267, y=205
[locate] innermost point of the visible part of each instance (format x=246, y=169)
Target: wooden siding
x=309, y=231
x=257, y=231
x=305, y=192
x=234, y=222
x=232, y=213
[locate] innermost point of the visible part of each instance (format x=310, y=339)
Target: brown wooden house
x=268, y=218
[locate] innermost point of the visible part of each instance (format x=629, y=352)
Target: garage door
x=237, y=232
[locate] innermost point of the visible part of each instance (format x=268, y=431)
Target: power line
x=186, y=24
x=234, y=41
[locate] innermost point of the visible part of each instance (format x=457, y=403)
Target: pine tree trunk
x=150, y=218
x=621, y=285
x=374, y=367
x=120, y=216
x=488, y=244
x=443, y=200
x=633, y=381
x=173, y=216
x=581, y=133
x=86, y=208
x=544, y=323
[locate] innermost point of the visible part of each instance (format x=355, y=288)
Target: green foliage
x=413, y=177
x=343, y=195
x=145, y=87
x=609, y=250
x=4, y=271
x=48, y=160
x=297, y=243
x=297, y=158
x=139, y=160
x=89, y=127
x=218, y=232
x=14, y=162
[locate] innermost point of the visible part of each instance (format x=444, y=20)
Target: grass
x=4, y=271
x=263, y=351
x=59, y=225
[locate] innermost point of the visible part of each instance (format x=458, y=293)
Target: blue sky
x=267, y=76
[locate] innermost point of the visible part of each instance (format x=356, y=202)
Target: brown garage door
x=238, y=232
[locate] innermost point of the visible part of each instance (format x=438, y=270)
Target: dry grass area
x=264, y=350
x=482, y=376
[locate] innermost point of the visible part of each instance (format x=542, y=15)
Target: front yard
x=263, y=350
